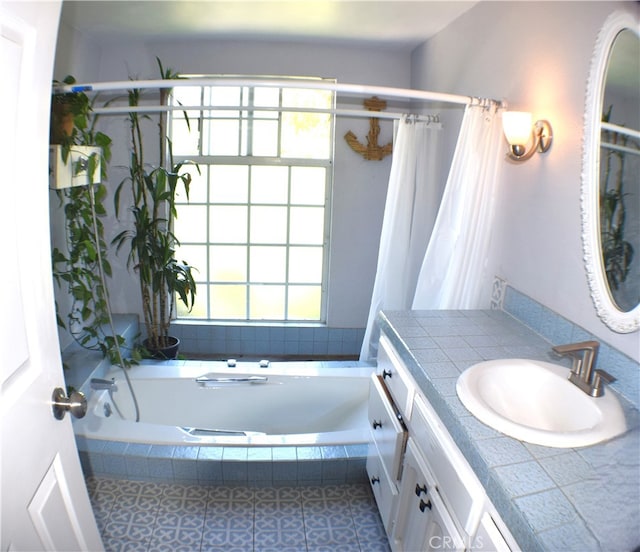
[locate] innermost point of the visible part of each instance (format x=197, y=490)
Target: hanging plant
x=78, y=269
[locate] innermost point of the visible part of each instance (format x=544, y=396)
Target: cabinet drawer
x=387, y=431
x=384, y=490
x=456, y=482
x=396, y=377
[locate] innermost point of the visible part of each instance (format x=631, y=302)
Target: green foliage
x=617, y=252
x=151, y=241
x=78, y=270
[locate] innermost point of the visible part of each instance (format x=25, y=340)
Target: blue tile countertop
x=551, y=499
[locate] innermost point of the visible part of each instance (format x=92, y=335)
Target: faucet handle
x=598, y=377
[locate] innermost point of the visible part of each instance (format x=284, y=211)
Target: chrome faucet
x=98, y=384
x=583, y=374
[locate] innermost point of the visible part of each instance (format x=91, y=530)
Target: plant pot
x=61, y=122
x=168, y=352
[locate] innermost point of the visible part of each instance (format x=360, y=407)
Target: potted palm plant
x=151, y=242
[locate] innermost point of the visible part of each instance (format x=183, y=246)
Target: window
x=255, y=225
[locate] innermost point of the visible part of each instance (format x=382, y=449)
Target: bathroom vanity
x=428, y=495
x=445, y=481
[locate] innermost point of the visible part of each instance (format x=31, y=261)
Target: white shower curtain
x=453, y=273
x=409, y=214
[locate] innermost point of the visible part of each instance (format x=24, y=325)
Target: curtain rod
x=357, y=89
x=620, y=129
x=124, y=109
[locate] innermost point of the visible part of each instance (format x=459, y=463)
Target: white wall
x=359, y=186
x=536, y=55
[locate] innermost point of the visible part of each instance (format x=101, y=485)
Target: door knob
x=76, y=403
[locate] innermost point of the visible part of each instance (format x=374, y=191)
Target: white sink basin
x=535, y=402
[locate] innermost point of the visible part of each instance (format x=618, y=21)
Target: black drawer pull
x=420, y=489
x=386, y=374
x=375, y=480
x=376, y=424
x=424, y=505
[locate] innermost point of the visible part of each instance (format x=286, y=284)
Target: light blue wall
x=537, y=57
x=534, y=55
x=359, y=186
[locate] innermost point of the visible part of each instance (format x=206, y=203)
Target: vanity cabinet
x=428, y=496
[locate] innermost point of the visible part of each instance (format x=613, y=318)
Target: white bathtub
x=299, y=403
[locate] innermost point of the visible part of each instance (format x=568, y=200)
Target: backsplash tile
x=557, y=330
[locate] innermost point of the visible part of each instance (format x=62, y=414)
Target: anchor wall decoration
x=372, y=151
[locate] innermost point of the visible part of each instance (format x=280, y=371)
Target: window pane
x=185, y=139
x=199, y=309
x=186, y=95
x=305, y=265
x=306, y=136
x=308, y=185
x=197, y=188
x=268, y=264
x=228, y=301
x=265, y=138
x=196, y=257
x=268, y=224
x=266, y=97
x=220, y=137
x=269, y=184
x=229, y=183
x=228, y=224
x=191, y=223
x=223, y=95
x=227, y=263
x=267, y=302
x=307, y=225
x=304, y=303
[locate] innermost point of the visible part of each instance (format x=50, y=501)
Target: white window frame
x=246, y=159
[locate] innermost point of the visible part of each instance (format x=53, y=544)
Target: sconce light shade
x=518, y=130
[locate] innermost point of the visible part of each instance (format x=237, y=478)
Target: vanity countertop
x=551, y=499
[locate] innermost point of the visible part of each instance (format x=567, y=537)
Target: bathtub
x=208, y=403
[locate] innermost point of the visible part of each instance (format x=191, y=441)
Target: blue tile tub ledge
x=551, y=499
x=217, y=465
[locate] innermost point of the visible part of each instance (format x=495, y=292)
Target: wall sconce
x=518, y=130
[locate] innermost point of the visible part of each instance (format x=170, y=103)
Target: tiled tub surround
x=234, y=466
x=266, y=340
x=551, y=499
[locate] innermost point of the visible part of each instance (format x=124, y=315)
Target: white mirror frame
x=609, y=313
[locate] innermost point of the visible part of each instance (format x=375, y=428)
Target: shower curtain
x=409, y=214
x=451, y=274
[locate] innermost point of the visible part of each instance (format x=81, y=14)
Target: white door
x=44, y=503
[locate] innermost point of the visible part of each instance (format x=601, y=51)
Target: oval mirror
x=610, y=169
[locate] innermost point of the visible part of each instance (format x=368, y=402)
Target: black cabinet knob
x=375, y=480
x=424, y=505
x=386, y=374
x=376, y=424
x=420, y=489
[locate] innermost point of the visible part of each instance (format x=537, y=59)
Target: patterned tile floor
x=150, y=517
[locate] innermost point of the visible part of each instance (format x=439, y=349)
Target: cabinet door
x=489, y=538
x=422, y=522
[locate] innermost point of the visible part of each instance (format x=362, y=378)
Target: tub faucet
x=583, y=373
x=97, y=384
